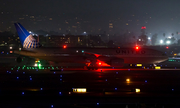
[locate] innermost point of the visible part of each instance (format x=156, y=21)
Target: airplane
x=115, y=57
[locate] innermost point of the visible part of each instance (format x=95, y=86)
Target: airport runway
x=109, y=87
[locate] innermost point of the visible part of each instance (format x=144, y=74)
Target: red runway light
x=64, y=46
x=167, y=47
x=137, y=47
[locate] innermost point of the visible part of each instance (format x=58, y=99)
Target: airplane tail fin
x=27, y=40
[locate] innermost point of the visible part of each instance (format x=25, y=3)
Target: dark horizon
x=93, y=16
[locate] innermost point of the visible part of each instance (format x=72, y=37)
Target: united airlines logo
x=30, y=42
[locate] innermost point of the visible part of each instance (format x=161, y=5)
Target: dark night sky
x=159, y=16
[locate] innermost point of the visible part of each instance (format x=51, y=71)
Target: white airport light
x=161, y=41
x=139, y=39
x=79, y=90
x=137, y=90
x=30, y=32
x=84, y=32
x=35, y=64
x=149, y=38
x=19, y=49
x=168, y=42
x=10, y=47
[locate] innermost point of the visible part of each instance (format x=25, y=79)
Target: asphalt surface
x=109, y=87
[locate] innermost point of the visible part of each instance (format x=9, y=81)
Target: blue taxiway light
x=115, y=88
x=97, y=103
x=22, y=93
x=172, y=89
x=128, y=69
x=54, y=72
x=41, y=88
x=60, y=79
x=60, y=75
x=52, y=106
x=17, y=77
x=9, y=72
x=106, y=79
x=116, y=72
x=145, y=80
x=30, y=79
x=60, y=93
x=23, y=72
x=29, y=76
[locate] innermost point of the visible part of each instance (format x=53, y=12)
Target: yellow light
x=175, y=54
x=138, y=64
x=137, y=90
x=130, y=64
x=79, y=90
x=128, y=80
x=157, y=67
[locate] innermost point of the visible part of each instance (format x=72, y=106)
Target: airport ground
x=22, y=88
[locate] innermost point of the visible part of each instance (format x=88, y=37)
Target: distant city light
x=169, y=37
x=168, y=42
x=143, y=27
x=139, y=39
x=84, y=32
x=10, y=47
x=161, y=41
x=30, y=32
x=149, y=38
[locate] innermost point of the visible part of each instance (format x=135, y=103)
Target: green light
x=39, y=64
x=32, y=67
x=11, y=68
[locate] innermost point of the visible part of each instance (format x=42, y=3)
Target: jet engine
x=116, y=63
